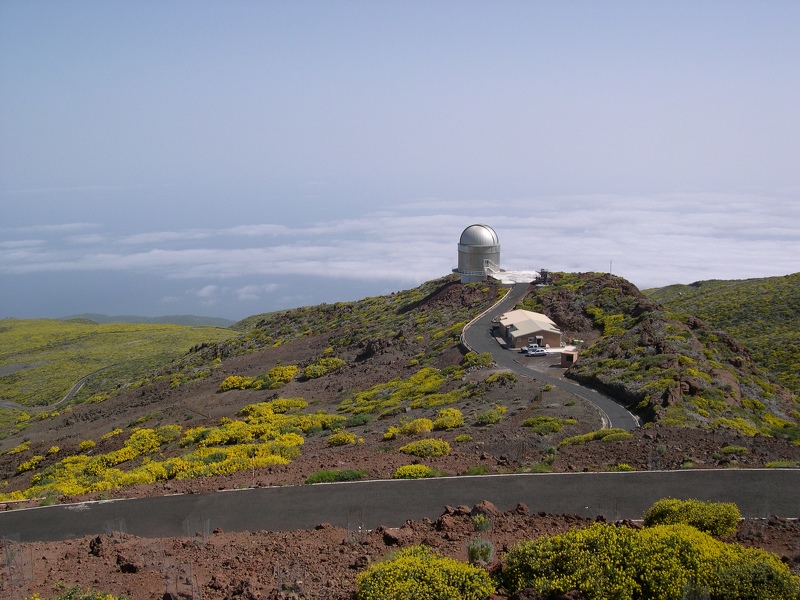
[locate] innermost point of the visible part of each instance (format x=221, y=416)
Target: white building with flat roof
x=523, y=327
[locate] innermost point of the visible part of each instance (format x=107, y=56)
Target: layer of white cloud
x=650, y=240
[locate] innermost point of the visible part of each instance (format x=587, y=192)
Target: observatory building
x=478, y=253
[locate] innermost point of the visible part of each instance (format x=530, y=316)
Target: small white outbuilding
x=523, y=327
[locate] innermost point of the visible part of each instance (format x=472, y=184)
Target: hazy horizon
x=233, y=158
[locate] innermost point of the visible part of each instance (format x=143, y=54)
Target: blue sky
x=231, y=158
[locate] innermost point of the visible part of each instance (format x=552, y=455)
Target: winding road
x=368, y=504
x=477, y=336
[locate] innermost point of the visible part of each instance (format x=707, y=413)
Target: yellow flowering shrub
x=323, y=366
x=448, y=418
x=412, y=472
x=111, y=433
x=143, y=441
x=284, y=405
x=236, y=382
x=53, y=450
x=656, y=563
x=716, y=518
x=21, y=448
x=283, y=373
x=414, y=427
x=417, y=572
x=30, y=464
x=269, y=435
x=426, y=448
x=342, y=438
x=86, y=445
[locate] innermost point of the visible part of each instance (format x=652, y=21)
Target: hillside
x=42, y=359
x=761, y=314
x=667, y=367
x=353, y=383
x=188, y=320
x=381, y=388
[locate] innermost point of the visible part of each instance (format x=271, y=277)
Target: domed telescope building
x=478, y=253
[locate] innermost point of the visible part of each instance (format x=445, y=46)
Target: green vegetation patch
x=420, y=390
x=491, y=416
x=612, y=434
x=44, y=358
x=762, y=314
x=544, y=425
x=332, y=476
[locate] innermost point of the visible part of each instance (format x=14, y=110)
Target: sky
x=229, y=158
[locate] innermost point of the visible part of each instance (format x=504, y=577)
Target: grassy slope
x=763, y=314
x=41, y=359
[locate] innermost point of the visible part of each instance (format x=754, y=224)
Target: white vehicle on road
x=536, y=352
x=530, y=347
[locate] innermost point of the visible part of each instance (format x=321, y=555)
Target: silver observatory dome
x=478, y=252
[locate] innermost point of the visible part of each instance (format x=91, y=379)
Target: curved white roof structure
x=479, y=235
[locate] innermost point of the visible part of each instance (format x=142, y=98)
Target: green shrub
x=716, y=518
x=783, y=464
x=473, y=359
x=544, y=425
x=448, y=418
x=417, y=572
x=657, y=563
x=482, y=522
x=491, y=416
x=330, y=476
x=480, y=551
x=462, y=438
x=501, y=376
x=614, y=433
x=426, y=448
x=619, y=436
x=477, y=470
x=734, y=450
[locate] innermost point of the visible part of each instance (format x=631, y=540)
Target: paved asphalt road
x=758, y=493
x=478, y=336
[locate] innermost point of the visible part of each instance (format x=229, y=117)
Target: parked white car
x=536, y=352
x=525, y=349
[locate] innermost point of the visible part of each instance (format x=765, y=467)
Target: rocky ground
x=319, y=563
